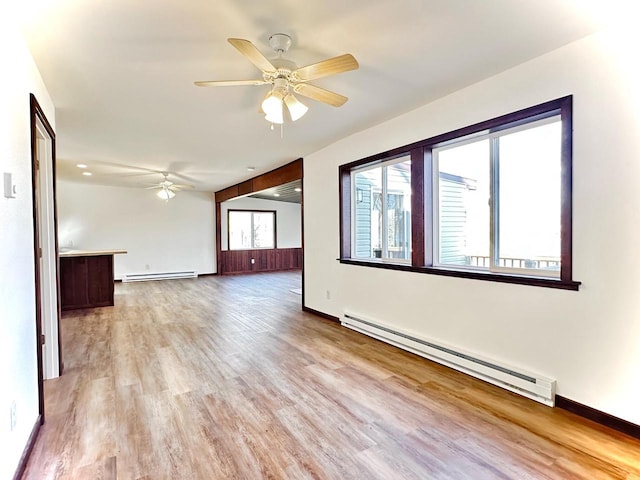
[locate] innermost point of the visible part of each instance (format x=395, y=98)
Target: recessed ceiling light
x=81, y=165
x=298, y=189
x=276, y=194
x=251, y=169
x=87, y=174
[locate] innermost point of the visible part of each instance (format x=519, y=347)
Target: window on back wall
x=382, y=211
x=251, y=229
x=491, y=201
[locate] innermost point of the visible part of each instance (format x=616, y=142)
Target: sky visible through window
x=529, y=181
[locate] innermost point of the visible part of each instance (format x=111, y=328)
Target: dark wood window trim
x=275, y=229
x=492, y=277
x=421, y=221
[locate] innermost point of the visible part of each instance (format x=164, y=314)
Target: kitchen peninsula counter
x=86, y=278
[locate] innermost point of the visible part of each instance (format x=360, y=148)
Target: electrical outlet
x=328, y=294
x=14, y=416
x=253, y=260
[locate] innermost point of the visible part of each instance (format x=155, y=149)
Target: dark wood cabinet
x=86, y=281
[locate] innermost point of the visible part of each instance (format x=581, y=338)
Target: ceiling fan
x=286, y=78
x=167, y=189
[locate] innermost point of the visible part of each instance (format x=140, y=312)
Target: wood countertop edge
x=91, y=253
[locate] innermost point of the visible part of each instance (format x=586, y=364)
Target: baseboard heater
x=533, y=386
x=143, y=277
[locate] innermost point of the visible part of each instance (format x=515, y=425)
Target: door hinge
x=39, y=252
x=42, y=340
x=37, y=164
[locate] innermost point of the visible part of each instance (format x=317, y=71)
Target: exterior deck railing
x=509, y=262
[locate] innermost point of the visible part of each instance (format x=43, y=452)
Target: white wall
x=18, y=363
x=289, y=227
x=159, y=236
x=588, y=340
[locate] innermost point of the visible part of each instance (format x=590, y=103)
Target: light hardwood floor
x=225, y=377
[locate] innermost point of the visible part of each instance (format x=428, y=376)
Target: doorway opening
x=45, y=245
x=260, y=224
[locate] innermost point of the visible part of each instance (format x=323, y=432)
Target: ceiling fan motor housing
x=281, y=84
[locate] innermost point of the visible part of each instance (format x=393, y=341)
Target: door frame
x=39, y=119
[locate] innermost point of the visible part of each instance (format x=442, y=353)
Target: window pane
x=263, y=230
x=398, y=210
x=463, y=205
x=368, y=213
x=239, y=230
x=528, y=230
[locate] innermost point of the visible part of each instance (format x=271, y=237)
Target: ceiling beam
x=279, y=176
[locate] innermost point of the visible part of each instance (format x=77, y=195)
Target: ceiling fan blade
x=332, y=66
x=249, y=50
x=229, y=83
x=320, y=94
x=180, y=187
x=153, y=187
x=185, y=177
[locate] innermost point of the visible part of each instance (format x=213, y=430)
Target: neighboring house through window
x=382, y=211
x=490, y=201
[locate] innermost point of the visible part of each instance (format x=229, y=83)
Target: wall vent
x=143, y=277
x=532, y=386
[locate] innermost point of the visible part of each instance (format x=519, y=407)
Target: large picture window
x=490, y=201
x=497, y=200
x=251, y=229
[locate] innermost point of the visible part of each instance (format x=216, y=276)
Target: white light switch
x=9, y=187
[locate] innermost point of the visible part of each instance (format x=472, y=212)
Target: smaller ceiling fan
x=286, y=78
x=167, y=189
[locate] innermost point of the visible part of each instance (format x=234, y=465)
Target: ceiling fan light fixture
x=165, y=194
x=275, y=118
x=272, y=107
x=296, y=108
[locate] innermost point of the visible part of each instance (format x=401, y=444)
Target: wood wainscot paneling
x=262, y=260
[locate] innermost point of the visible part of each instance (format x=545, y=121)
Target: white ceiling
x=121, y=74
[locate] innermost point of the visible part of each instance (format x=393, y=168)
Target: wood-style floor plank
x=225, y=378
